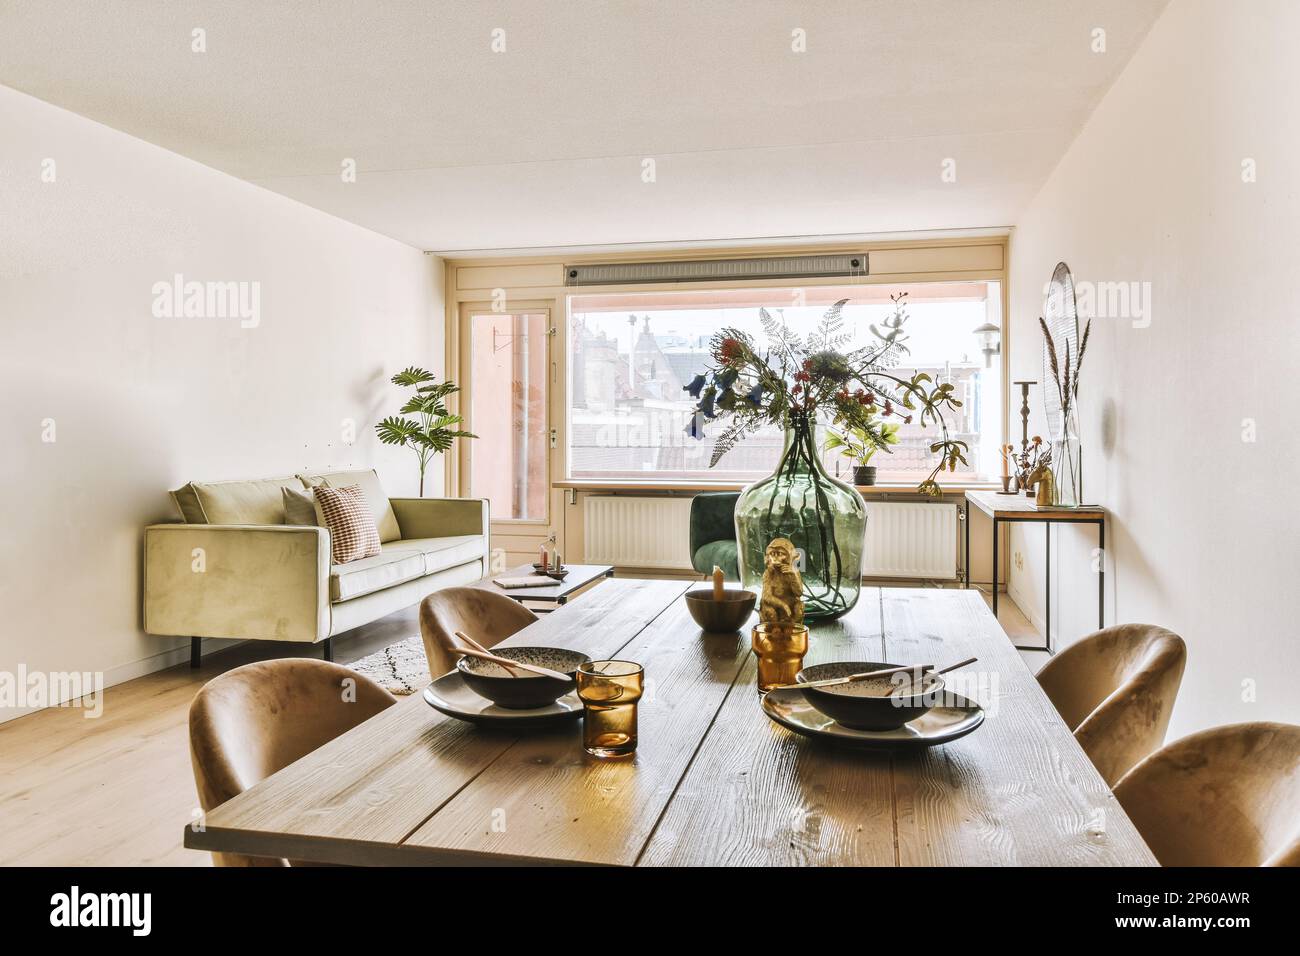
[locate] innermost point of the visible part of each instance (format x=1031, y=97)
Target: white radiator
x=905, y=539
x=910, y=539
x=637, y=532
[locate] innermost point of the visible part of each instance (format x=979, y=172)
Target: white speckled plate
x=449, y=695
x=939, y=725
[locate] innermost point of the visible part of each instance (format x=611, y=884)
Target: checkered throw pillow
x=353, y=532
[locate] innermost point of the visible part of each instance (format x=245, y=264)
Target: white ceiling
x=459, y=147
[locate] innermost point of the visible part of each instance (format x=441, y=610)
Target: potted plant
x=858, y=443
x=433, y=429
x=799, y=384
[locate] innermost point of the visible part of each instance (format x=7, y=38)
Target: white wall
x=1204, y=537
x=142, y=404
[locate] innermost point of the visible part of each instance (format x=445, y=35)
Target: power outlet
x=1019, y=561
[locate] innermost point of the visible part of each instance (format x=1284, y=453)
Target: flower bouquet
x=798, y=384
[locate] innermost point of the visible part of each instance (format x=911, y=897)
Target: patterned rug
x=400, y=668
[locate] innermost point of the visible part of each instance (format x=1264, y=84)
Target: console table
x=1015, y=508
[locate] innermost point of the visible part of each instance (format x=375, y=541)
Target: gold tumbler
x=609, y=691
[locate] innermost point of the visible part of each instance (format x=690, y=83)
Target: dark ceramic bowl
x=527, y=691
x=550, y=571
x=720, y=617
x=878, y=704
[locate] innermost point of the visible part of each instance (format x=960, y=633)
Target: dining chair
x=713, y=533
x=257, y=719
x=487, y=616
x=1229, y=796
x=1115, y=689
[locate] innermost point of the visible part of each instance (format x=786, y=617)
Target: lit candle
x=717, y=583
x=542, y=559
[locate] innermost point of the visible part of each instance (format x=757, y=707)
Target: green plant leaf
x=396, y=431
x=412, y=376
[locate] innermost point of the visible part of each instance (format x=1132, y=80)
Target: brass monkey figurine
x=782, y=600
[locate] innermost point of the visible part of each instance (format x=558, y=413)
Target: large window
x=630, y=354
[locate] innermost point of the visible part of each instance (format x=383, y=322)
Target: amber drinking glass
x=609, y=691
x=780, y=649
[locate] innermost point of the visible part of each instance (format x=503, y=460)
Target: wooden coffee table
x=580, y=575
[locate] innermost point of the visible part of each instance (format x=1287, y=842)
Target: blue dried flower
x=706, y=403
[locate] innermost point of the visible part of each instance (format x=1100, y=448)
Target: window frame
x=893, y=472
x=517, y=279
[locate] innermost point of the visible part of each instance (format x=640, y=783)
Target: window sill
x=954, y=488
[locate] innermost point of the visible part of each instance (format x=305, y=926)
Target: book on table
x=531, y=581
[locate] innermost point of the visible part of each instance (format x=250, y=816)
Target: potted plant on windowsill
x=859, y=442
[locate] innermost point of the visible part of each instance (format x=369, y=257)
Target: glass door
x=506, y=375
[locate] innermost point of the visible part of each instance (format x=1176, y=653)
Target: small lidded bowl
x=876, y=703
x=721, y=617
x=522, y=690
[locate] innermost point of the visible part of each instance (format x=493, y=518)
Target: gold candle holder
x=780, y=649
x=609, y=691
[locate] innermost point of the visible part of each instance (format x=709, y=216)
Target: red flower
x=889, y=408
x=802, y=377
x=728, y=350
x=796, y=390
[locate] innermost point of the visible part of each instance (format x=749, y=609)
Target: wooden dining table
x=713, y=781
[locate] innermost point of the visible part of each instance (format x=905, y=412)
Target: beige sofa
x=232, y=568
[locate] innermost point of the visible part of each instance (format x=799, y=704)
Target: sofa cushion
x=377, y=498
x=384, y=570
x=346, y=513
x=241, y=502
x=300, y=508
x=187, y=503
x=443, y=553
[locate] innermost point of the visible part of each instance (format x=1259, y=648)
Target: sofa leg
x=196, y=646
x=327, y=649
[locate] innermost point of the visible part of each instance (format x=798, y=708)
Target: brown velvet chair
x=487, y=616
x=1229, y=796
x=256, y=719
x=1115, y=689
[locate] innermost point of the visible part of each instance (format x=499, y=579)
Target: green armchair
x=713, y=533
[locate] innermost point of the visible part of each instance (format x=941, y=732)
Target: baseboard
x=1027, y=608
x=180, y=654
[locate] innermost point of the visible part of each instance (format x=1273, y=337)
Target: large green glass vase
x=825, y=518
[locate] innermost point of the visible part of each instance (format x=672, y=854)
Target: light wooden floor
x=117, y=790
